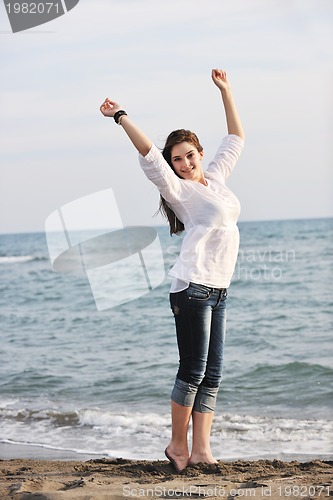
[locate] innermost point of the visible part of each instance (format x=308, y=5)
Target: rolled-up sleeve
x=227, y=155
x=161, y=174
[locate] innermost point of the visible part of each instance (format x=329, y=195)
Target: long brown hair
x=176, y=137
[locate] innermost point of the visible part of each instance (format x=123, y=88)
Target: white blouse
x=209, y=213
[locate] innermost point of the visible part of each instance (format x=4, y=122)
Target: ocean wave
x=140, y=435
x=304, y=387
x=293, y=372
x=296, y=369
x=18, y=259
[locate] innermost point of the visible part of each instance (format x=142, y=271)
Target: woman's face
x=186, y=161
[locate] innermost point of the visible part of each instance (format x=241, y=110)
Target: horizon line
x=166, y=225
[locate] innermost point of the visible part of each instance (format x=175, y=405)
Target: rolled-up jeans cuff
x=183, y=393
x=205, y=399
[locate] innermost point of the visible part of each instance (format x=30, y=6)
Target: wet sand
x=102, y=478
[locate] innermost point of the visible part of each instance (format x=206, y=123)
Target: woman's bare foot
x=202, y=458
x=179, y=459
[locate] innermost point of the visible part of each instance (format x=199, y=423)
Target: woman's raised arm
x=140, y=141
x=234, y=124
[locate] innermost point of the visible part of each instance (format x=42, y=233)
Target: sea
x=77, y=381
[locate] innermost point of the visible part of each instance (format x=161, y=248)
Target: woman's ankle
x=179, y=449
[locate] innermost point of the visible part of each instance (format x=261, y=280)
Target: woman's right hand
x=109, y=108
x=219, y=77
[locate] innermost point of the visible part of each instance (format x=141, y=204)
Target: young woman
x=199, y=202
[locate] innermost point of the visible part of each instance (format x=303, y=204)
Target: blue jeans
x=200, y=317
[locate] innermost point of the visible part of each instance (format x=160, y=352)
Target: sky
x=155, y=58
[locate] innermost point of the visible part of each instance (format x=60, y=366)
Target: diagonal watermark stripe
x=24, y=15
x=87, y=237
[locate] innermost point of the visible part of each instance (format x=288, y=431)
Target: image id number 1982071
x=303, y=491
x=34, y=8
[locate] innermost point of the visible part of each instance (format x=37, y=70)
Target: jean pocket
x=199, y=292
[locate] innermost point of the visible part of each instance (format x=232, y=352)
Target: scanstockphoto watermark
x=267, y=264
x=215, y=491
x=184, y=491
x=25, y=15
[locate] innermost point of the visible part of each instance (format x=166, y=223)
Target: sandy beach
x=102, y=478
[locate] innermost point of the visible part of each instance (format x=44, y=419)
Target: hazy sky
x=155, y=58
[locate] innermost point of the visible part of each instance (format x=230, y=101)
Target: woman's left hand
x=219, y=77
x=109, y=108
